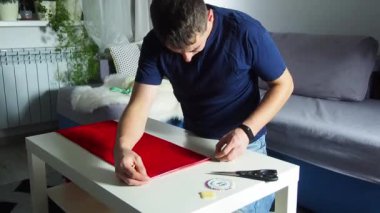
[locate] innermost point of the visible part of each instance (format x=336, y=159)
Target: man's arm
x=128, y=165
x=237, y=141
x=278, y=93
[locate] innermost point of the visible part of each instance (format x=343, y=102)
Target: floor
x=13, y=158
x=13, y=162
x=14, y=184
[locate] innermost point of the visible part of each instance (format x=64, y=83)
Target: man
x=213, y=58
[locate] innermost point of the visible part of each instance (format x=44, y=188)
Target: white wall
x=354, y=17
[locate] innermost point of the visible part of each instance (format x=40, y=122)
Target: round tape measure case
x=219, y=184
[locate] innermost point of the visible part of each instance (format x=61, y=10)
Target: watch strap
x=247, y=131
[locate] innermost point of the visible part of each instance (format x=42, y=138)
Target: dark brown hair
x=176, y=22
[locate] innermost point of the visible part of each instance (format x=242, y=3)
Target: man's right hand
x=129, y=167
x=128, y=164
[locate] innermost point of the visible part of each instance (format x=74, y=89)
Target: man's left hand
x=231, y=145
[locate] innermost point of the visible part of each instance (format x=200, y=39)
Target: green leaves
x=83, y=66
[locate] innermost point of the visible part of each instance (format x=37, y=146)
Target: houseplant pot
x=8, y=10
x=44, y=8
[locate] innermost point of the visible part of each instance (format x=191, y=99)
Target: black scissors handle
x=266, y=175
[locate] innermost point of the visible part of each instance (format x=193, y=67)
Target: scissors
x=266, y=175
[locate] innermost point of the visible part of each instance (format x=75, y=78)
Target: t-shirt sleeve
x=148, y=69
x=268, y=61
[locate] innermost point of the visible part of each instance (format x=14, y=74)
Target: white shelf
x=33, y=23
x=71, y=198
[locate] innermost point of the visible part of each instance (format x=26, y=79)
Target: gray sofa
x=329, y=120
x=332, y=120
x=331, y=124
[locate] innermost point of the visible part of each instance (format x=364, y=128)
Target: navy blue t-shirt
x=218, y=89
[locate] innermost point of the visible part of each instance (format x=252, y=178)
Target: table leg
x=38, y=190
x=286, y=199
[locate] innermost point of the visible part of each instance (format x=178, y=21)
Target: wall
x=354, y=17
x=25, y=34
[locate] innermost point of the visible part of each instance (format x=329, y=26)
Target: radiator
x=29, y=85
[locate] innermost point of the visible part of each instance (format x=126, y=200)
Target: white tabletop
x=174, y=192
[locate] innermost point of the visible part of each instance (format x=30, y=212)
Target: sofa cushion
x=374, y=92
x=337, y=135
x=331, y=67
x=377, y=64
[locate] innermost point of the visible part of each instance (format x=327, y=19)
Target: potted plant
x=83, y=66
x=8, y=10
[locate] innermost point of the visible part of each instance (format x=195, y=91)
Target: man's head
x=182, y=26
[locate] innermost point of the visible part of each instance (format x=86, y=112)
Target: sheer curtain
x=113, y=22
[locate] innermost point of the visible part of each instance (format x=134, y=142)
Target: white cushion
x=126, y=58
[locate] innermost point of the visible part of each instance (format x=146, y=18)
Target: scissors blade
x=225, y=173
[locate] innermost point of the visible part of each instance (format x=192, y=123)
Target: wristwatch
x=247, y=131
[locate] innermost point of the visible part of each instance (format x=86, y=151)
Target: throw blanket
x=87, y=99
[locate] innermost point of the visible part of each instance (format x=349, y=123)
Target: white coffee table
x=94, y=186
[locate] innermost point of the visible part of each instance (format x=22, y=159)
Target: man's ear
x=210, y=15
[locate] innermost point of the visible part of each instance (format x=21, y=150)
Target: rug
x=15, y=197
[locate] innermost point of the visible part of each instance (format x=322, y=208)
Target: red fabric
x=159, y=156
